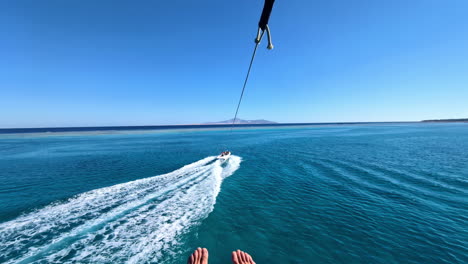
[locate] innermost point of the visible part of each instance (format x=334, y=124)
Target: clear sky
x=108, y=62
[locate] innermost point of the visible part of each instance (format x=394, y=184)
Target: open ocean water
x=393, y=193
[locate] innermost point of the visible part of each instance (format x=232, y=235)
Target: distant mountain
x=447, y=120
x=241, y=122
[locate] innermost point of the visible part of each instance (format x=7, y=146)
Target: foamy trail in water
x=134, y=222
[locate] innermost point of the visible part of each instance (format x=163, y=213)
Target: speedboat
x=224, y=155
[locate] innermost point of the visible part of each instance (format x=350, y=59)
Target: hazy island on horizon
x=446, y=120
x=241, y=122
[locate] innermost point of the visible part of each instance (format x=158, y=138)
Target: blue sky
x=97, y=63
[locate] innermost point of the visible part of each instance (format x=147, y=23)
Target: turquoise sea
x=375, y=193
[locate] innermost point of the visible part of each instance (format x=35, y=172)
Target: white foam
x=133, y=222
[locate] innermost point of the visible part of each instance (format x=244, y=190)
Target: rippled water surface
x=310, y=194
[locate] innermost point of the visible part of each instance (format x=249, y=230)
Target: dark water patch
x=415, y=178
x=387, y=184
x=407, y=182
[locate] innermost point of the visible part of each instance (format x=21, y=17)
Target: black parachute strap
x=263, y=23
x=266, y=14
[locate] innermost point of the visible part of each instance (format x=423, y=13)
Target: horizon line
x=204, y=125
x=108, y=127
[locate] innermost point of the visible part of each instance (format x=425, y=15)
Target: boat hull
x=224, y=157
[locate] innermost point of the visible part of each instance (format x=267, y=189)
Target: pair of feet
x=200, y=256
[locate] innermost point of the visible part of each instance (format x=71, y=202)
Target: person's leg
x=199, y=256
x=240, y=257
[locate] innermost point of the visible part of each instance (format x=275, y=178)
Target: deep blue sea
x=374, y=193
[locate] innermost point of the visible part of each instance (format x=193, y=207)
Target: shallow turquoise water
x=329, y=194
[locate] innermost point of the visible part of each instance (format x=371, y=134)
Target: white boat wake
x=134, y=222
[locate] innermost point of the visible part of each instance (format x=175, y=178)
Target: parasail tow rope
x=245, y=84
x=262, y=27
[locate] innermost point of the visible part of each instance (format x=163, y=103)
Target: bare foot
x=240, y=257
x=199, y=256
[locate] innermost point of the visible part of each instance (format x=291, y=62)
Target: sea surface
x=364, y=193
